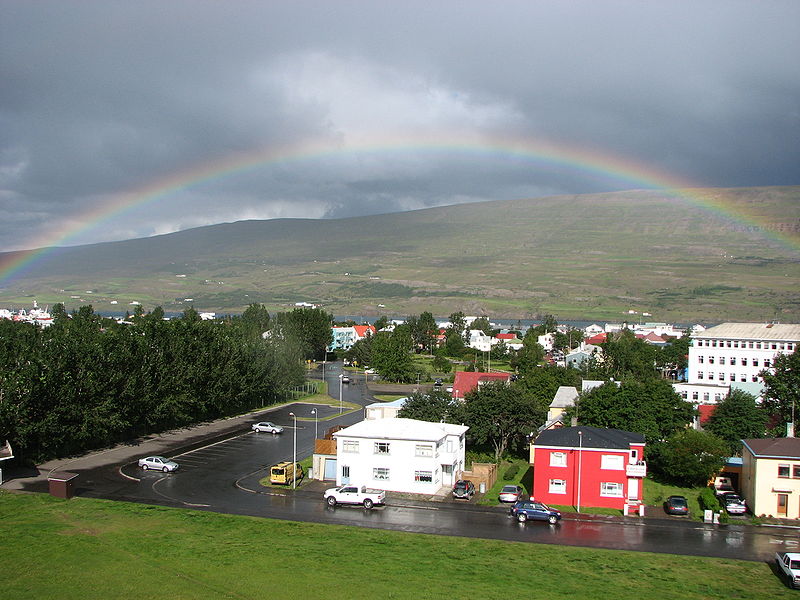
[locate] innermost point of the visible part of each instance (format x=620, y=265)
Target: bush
x=708, y=501
x=511, y=472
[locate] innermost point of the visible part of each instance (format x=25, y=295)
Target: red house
x=589, y=466
x=466, y=381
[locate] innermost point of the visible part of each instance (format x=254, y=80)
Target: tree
x=440, y=364
x=501, y=415
x=483, y=324
x=649, y=407
x=391, y=358
x=255, y=320
x=425, y=331
x=781, y=397
x=454, y=343
x=530, y=356
x=568, y=340
x=382, y=322
x=434, y=406
x=735, y=418
x=309, y=327
x=458, y=323
x=626, y=356
x=674, y=357
x=688, y=457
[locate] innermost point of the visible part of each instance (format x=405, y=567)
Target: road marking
x=153, y=487
x=214, y=444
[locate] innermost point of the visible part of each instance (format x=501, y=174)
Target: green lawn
x=655, y=493
x=85, y=549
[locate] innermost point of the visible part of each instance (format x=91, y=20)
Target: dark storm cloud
x=100, y=98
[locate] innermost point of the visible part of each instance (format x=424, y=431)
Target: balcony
x=638, y=469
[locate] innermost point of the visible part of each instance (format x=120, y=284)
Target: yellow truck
x=285, y=473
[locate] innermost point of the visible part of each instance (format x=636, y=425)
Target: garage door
x=330, y=468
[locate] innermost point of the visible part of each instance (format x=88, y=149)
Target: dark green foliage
x=88, y=382
x=736, y=418
x=440, y=364
x=649, y=407
x=708, y=500
x=541, y=384
x=626, y=356
x=511, y=472
x=689, y=457
x=782, y=394
x=309, y=329
x=391, y=357
x=454, y=343
x=435, y=406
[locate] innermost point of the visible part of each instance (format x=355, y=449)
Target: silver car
x=267, y=427
x=158, y=463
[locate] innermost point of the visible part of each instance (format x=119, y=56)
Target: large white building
x=401, y=455
x=734, y=353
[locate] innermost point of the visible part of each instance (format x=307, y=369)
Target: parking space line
x=211, y=445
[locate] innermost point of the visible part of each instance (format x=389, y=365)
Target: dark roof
x=593, y=437
x=774, y=447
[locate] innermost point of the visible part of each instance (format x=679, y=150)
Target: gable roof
x=361, y=330
x=774, y=447
x=401, y=429
x=593, y=437
x=466, y=381
x=506, y=336
x=565, y=397
x=598, y=339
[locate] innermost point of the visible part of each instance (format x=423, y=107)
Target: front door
x=633, y=488
x=783, y=503
x=330, y=468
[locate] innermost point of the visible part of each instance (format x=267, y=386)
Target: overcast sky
x=100, y=99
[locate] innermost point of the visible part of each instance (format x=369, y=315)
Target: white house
x=384, y=410
x=480, y=341
x=401, y=455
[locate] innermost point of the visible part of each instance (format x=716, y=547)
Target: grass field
x=87, y=549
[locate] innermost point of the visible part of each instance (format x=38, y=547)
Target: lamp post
x=294, y=451
x=341, y=379
x=580, y=452
x=314, y=412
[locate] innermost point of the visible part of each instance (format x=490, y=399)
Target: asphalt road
x=220, y=472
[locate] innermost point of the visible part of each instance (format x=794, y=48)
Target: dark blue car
x=524, y=510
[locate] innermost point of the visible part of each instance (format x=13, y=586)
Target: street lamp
x=580, y=452
x=341, y=379
x=294, y=451
x=314, y=412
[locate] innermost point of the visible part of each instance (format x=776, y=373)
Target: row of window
x=721, y=376
x=784, y=470
x=706, y=396
x=608, y=489
x=421, y=450
x=732, y=361
x=611, y=462
x=382, y=474
x=745, y=344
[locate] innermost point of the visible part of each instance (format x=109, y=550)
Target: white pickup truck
x=352, y=494
x=789, y=566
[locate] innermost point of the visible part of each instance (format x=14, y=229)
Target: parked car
x=267, y=427
x=352, y=494
x=733, y=503
x=158, y=463
x=789, y=567
x=464, y=489
x=524, y=510
x=285, y=472
x=676, y=505
x=510, y=493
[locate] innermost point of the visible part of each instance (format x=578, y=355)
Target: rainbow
x=543, y=154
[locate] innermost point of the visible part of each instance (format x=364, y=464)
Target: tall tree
x=458, y=324
x=625, y=355
x=649, y=407
x=310, y=328
x=391, y=358
x=501, y=415
x=688, y=457
x=735, y=418
x=781, y=397
x=434, y=406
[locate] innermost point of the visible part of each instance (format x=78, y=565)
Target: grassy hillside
x=83, y=548
x=591, y=256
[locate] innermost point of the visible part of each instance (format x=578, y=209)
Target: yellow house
x=770, y=479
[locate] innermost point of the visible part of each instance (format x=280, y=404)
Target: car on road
x=352, y=494
x=510, y=493
x=158, y=463
x=676, y=505
x=463, y=489
x=733, y=503
x=345, y=379
x=531, y=510
x=267, y=427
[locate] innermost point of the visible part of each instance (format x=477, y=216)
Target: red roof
x=361, y=330
x=466, y=381
x=706, y=410
x=598, y=339
x=506, y=336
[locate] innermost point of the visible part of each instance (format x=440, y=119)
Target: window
x=722, y=376
x=750, y=344
x=424, y=476
x=634, y=456
x=789, y=346
x=710, y=375
x=733, y=360
x=611, y=489
x=350, y=446
x=758, y=345
x=423, y=450
x=735, y=344
x=613, y=462
x=766, y=362
x=743, y=377
x=558, y=459
x=699, y=374
x=558, y=486
x=744, y=362
x=381, y=447
x=345, y=472
x=700, y=359
x=796, y=471
x=695, y=395
x=732, y=376
x=717, y=397
x=722, y=360
x=711, y=360
x=380, y=473
x=783, y=470
x=705, y=397
x=450, y=446
x=728, y=343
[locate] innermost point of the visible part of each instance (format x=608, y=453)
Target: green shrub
x=708, y=501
